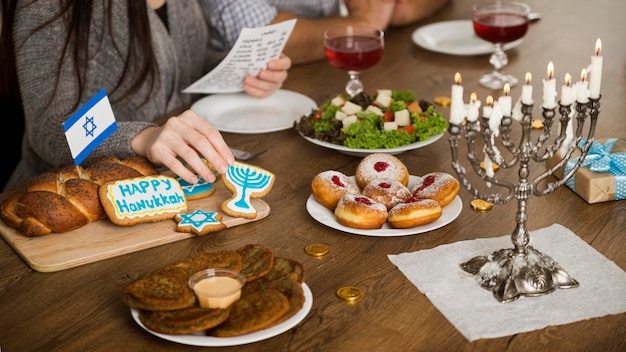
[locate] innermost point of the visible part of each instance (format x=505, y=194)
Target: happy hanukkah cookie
x=142, y=199
x=199, y=222
x=245, y=182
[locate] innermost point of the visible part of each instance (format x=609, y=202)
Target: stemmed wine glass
x=499, y=22
x=354, y=49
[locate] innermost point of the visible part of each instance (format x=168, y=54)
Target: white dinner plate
x=365, y=152
x=200, y=339
x=456, y=38
x=327, y=217
x=243, y=113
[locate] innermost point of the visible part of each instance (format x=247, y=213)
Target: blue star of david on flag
x=91, y=125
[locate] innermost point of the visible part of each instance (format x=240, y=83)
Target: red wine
x=355, y=53
x=500, y=27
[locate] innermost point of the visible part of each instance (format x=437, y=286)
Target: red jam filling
x=429, y=180
x=381, y=166
x=384, y=185
x=337, y=181
x=412, y=200
x=362, y=200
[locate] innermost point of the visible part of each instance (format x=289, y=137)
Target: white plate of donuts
x=383, y=200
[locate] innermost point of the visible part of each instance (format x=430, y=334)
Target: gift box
x=602, y=175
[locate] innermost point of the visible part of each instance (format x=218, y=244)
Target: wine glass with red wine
x=499, y=22
x=353, y=49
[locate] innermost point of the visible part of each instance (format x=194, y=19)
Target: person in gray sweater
x=143, y=54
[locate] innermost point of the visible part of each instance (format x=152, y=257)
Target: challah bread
x=67, y=198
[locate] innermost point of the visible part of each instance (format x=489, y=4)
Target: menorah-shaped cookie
x=246, y=182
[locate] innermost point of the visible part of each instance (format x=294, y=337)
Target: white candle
x=488, y=166
x=517, y=114
x=495, y=119
x=582, y=91
x=569, y=135
x=456, y=105
x=567, y=91
x=527, y=90
x=549, y=88
x=474, y=105
x=488, y=108
x=505, y=100
x=596, y=72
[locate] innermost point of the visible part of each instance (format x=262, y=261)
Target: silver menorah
x=522, y=270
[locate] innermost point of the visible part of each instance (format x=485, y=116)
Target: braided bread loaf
x=66, y=199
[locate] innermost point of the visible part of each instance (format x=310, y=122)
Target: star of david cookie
x=200, y=189
x=245, y=182
x=199, y=222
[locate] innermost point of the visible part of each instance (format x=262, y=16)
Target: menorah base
x=510, y=273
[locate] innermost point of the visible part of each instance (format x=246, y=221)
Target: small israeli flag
x=93, y=123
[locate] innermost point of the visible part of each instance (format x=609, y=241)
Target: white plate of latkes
x=327, y=217
x=202, y=339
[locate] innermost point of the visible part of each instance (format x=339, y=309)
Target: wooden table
x=80, y=309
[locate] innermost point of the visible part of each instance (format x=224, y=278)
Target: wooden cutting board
x=102, y=239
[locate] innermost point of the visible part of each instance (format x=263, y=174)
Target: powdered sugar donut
x=329, y=186
x=414, y=212
x=360, y=212
x=386, y=191
x=439, y=186
x=381, y=165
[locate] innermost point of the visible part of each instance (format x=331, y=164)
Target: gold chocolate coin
x=481, y=205
x=316, y=250
x=350, y=293
x=494, y=166
x=443, y=101
x=537, y=124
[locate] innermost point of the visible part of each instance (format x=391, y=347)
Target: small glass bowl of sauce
x=217, y=288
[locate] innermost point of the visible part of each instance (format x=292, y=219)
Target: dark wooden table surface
x=80, y=309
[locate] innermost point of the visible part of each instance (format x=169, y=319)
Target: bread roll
x=67, y=198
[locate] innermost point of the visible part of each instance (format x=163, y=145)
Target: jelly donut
x=360, y=212
x=414, y=212
x=329, y=186
x=387, y=192
x=439, y=186
x=381, y=165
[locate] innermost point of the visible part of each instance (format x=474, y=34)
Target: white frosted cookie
x=199, y=222
x=245, y=182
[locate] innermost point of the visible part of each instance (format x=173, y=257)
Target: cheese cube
x=386, y=92
x=402, y=117
x=374, y=109
x=340, y=115
x=382, y=100
x=349, y=120
x=390, y=126
x=351, y=108
x=338, y=101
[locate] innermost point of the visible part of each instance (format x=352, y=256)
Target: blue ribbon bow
x=600, y=159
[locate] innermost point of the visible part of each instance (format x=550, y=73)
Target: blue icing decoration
x=247, y=180
x=189, y=189
x=198, y=219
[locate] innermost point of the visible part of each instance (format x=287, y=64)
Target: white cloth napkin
x=477, y=314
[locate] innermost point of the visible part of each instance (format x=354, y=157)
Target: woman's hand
x=269, y=79
x=186, y=138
